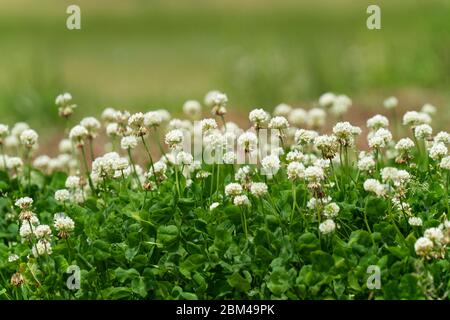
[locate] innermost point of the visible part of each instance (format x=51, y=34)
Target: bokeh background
x=144, y=54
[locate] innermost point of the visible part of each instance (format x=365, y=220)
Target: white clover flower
x=345, y=133
x=41, y=162
x=244, y=173
x=159, y=167
x=63, y=99
x=443, y=137
x=380, y=138
x=13, y=258
x=241, y=200
x=214, y=140
x=129, y=142
x=423, y=131
x=180, y=124
x=297, y=117
x=63, y=224
x=207, y=125
x=153, y=119
x=428, y=109
x=233, y=189
x=18, y=128
x=29, y=138
x=258, y=189
x=164, y=114
x=390, y=103
x=315, y=203
x=192, y=108
x=328, y=145
x=248, y=141
x=121, y=117
x=14, y=163
x=72, y=182
x=397, y=177
x=377, y=121
x=316, y=118
x=435, y=235
x=136, y=120
x=62, y=195
x=404, y=145
x=279, y=123
x=24, y=203
x=327, y=99
x=415, y=221
x=294, y=155
x=219, y=102
x=209, y=98
x=112, y=129
x=271, y=164
x=92, y=125
x=331, y=210
x=414, y=118
x=184, y=158
x=445, y=163
x=304, y=137
x=366, y=163
x=229, y=157
x=11, y=141
x=174, y=138
x=78, y=134
x=282, y=109
x=42, y=247
x=109, y=115
x=372, y=185
x=42, y=231
x=340, y=105
x=25, y=231
x=314, y=174
x=202, y=174
x=4, y=131
x=213, y=206
x=65, y=146
x=423, y=246
x=437, y=151
x=259, y=117
x=327, y=227
x=295, y=170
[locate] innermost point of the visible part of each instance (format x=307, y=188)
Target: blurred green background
x=138, y=54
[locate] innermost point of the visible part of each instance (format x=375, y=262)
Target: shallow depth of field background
x=141, y=55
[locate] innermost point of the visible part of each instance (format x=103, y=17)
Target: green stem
x=134, y=168
x=86, y=168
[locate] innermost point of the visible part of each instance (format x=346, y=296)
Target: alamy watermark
x=74, y=280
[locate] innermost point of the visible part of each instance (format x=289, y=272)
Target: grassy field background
x=157, y=54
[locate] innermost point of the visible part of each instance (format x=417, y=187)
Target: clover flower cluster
x=434, y=242
x=312, y=158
